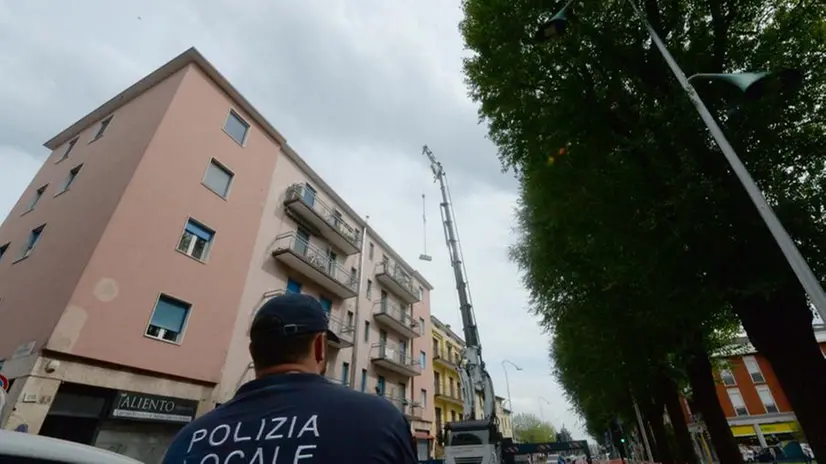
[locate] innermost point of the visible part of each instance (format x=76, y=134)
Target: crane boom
x=475, y=378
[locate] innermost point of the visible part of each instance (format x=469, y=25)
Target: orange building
x=755, y=405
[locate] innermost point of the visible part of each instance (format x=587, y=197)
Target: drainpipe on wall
x=356, y=338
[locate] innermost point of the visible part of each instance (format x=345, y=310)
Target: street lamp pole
x=541, y=409
x=801, y=268
x=507, y=382
x=556, y=26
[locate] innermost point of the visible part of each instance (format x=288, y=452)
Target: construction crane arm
x=475, y=378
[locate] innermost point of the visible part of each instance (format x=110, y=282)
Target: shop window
x=168, y=319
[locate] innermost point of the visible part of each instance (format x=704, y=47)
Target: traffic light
x=618, y=437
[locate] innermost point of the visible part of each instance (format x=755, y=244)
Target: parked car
x=25, y=448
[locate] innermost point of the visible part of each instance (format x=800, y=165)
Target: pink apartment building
x=131, y=267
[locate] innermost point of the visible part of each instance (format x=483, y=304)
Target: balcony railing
x=315, y=263
x=304, y=201
x=392, y=358
x=344, y=331
x=394, y=278
x=394, y=316
x=448, y=395
x=451, y=358
x=410, y=409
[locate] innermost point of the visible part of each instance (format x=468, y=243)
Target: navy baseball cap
x=291, y=314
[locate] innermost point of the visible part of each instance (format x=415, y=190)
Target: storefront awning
x=766, y=429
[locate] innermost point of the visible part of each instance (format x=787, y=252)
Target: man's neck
x=286, y=369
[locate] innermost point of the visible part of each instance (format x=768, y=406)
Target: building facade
x=752, y=399
x=447, y=349
x=132, y=266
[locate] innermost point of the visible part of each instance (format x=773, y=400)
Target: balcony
x=410, y=409
x=336, y=380
x=344, y=331
x=448, y=396
x=391, y=358
x=395, y=279
x=303, y=203
x=447, y=359
x=394, y=317
x=305, y=258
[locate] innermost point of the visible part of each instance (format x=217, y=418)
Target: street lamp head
x=755, y=85
x=554, y=27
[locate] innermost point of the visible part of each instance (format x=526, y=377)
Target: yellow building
x=448, y=406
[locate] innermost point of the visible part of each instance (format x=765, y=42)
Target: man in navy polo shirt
x=291, y=413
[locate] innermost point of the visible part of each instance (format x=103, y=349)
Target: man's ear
x=320, y=347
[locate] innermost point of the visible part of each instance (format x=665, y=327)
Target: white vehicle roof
x=26, y=445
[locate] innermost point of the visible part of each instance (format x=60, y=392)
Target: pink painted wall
x=265, y=274
x=137, y=255
x=36, y=290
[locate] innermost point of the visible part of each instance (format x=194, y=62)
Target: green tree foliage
x=639, y=234
x=527, y=428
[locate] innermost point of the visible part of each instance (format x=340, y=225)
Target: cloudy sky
x=357, y=87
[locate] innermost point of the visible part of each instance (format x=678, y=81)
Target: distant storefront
x=137, y=425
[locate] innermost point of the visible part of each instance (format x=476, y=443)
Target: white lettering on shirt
x=218, y=441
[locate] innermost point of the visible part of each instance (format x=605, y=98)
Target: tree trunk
x=654, y=416
x=780, y=328
x=706, y=401
x=685, y=447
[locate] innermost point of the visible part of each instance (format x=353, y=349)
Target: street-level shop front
x=137, y=425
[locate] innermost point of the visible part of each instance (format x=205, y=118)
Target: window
x=727, y=377
x=354, y=275
x=68, y=150
x=453, y=416
x=363, y=380
x=423, y=359
x=767, y=398
x=367, y=331
x=218, y=178
x=70, y=179
x=103, y=126
x=34, y=237
x=380, y=385
x=423, y=398
x=195, y=240
x=421, y=293
x=350, y=318
x=421, y=325
x=345, y=372
x=326, y=304
x=754, y=369
x=168, y=319
x=37, y=195
x=293, y=286
x=3, y=249
x=369, y=289
x=370, y=250
x=236, y=127
x=737, y=402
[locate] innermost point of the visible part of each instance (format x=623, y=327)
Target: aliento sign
x=140, y=406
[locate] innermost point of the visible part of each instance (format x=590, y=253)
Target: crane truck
x=471, y=440
x=476, y=439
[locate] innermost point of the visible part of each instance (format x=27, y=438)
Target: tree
x=641, y=198
x=527, y=428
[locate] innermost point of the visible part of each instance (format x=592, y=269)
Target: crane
x=471, y=439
